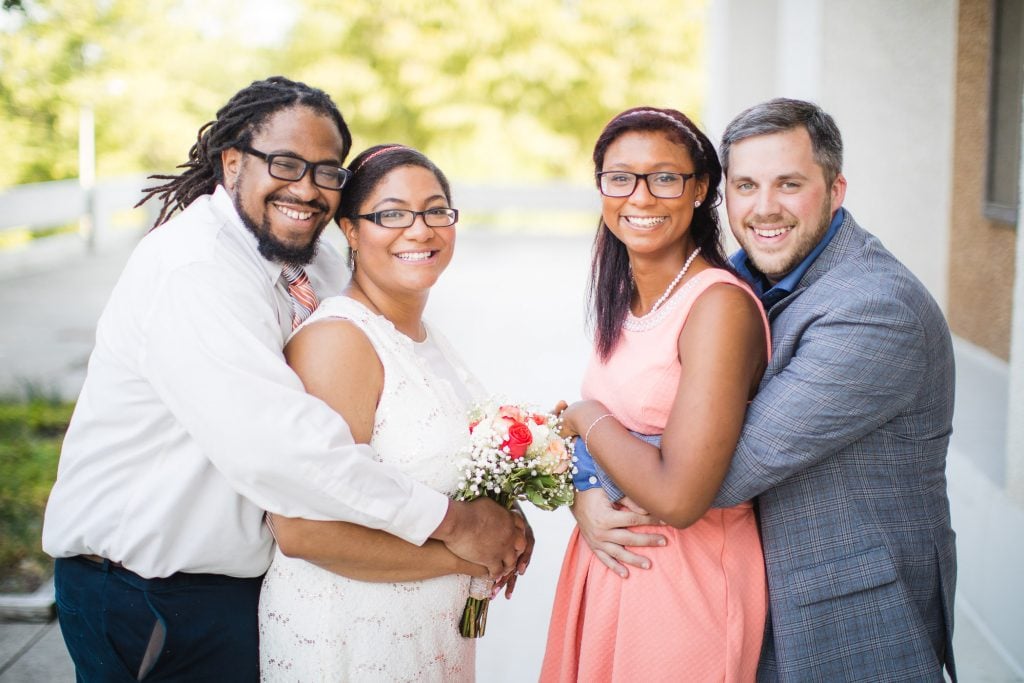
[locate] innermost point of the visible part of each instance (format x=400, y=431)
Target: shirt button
x=592, y=480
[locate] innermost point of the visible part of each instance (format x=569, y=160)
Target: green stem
x=474, y=618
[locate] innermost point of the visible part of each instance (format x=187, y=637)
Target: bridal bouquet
x=514, y=453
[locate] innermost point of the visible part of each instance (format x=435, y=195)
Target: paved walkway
x=50, y=303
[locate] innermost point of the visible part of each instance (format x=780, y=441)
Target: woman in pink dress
x=680, y=346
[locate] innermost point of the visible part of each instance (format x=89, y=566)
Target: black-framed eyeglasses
x=404, y=218
x=292, y=168
x=661, y=184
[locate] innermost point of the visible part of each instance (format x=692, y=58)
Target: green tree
x=499, y=89
x=492, y=90
x=151, y=70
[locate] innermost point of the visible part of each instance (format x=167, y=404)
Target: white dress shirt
x=190, y=424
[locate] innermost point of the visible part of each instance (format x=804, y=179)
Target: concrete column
x=741, y=57
x=800, y=59
x=1015, y=404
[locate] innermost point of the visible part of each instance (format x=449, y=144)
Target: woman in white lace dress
x=390, y=611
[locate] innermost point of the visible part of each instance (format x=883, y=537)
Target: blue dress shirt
x=771, y=294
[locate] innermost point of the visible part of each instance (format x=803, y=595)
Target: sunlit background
x=508, y=98
x=492, y=90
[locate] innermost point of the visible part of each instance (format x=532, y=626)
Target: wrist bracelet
x=586, y=437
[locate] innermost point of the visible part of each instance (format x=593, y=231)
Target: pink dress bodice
x=638, y=382
x=698, y=613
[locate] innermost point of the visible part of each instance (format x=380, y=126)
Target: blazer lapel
x=848, y=240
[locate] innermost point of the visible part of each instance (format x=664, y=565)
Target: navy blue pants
x=119, y=626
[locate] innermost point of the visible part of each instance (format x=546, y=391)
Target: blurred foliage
x=30, y=437
x=491, y=90
x=134, y=62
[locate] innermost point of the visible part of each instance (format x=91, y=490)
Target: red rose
x=518, y=440
x=538, y=419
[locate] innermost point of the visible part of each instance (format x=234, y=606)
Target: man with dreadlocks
x=190, y=424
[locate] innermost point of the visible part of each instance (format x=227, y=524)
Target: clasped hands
x=603, y=524
x=500, y=541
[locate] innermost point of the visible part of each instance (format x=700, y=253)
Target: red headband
x=378, y=153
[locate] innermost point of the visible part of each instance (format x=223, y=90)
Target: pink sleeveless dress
x=699, y=613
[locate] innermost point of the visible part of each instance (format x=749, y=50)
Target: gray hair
x=781, y=115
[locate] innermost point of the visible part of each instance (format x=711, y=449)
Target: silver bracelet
x=586, y=437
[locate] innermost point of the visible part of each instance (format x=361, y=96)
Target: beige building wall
x=982, y=251
x=885, y=71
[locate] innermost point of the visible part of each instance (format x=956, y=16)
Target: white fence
x=62, y=202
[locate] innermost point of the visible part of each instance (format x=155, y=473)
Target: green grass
x=30, y=436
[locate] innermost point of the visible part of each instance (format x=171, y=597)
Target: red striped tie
x=304, y=299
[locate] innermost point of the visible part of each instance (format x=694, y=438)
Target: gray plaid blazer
x=844, y=449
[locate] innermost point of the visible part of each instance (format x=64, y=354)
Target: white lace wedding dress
x=319, y=626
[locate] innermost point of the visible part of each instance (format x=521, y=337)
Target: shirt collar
x=764, y=289
x=225, y=207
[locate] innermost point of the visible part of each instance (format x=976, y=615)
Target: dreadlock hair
x=235, y=125
x=611, y=278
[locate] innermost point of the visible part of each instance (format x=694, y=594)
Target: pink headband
x=378, y=153
x=693, y=136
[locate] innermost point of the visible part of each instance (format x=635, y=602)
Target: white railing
x=62, y=202
x=553, y=196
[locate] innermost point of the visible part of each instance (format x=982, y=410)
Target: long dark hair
x=235, y=125
x=611, y=281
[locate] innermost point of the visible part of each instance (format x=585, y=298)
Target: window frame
x=1005, y=114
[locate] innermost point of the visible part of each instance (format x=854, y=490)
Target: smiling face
x=778, y=203
x=286, y=217
x=644, y=223
x=401, y=261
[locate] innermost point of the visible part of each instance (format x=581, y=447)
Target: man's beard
x=269, y=246
x=808, y=242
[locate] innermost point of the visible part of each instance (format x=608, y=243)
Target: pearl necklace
x=675, y=281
